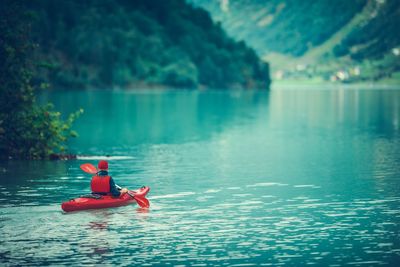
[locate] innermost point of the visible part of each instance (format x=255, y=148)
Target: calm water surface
x=286, y=177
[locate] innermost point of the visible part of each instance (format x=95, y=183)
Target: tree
x=27, y=130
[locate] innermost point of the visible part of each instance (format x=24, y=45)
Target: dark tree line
x=123, y=44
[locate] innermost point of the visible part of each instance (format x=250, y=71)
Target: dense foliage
x=133, y=43
x=288, y=27
x=27, y=130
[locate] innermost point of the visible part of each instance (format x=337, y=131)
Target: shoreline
x=303, y=84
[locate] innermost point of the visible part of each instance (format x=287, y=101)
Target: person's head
x=103, y=165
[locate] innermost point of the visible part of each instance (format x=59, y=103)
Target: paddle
x=142, y=201
x=89, y=168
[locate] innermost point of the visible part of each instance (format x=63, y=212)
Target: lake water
x=238, y=178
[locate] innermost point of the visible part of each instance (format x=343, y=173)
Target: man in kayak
x=103, y=184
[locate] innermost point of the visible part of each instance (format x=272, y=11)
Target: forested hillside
x=140, y=43
x=285, y=26
x=329, y=40
x=376, y=35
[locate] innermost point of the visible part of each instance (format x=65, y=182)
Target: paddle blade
x=142, y=202
x=89, y=168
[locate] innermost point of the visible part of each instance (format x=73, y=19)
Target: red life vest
x=100, y=184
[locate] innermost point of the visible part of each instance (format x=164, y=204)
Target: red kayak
x=101, y=202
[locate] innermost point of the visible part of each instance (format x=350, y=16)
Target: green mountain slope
x=139, y=43
x=324, y=40
x=376, y=35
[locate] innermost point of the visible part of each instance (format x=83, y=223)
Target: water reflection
x=155, y=117
x=26, y=182
x=97, y=240
x=361, y=110
x=256, y=178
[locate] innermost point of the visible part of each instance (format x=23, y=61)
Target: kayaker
x=103, y=184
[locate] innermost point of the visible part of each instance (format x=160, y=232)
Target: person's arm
x=116, y=191
x=113, y=189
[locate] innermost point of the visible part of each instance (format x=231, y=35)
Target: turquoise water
x=238, y=178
